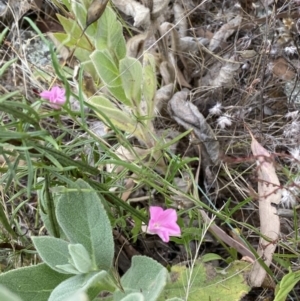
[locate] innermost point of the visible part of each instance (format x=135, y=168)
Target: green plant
x=83, y=262
x=128, y=103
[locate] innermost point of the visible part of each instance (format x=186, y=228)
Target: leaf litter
x=237, y=58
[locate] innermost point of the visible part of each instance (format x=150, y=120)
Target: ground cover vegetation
x=150, y=150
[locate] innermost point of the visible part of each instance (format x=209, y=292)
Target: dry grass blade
x=269, y=193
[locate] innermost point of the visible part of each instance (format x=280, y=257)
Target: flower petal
x=165, y=237
x=56, y=96
x=163, y=223
x=45, y=94
x=173, y=229
x=168, y=216
x=155, y=212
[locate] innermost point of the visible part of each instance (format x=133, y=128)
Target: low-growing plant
x=83, y=261
x=79, y=264
x=126, y=87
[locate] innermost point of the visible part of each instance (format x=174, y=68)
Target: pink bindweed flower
x=163, y=223
x=56, y=96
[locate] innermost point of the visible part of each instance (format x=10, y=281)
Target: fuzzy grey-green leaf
x=34, y=283
x=78, y=283
x=80, y=258
x=52, y=250
x=131, y=76
x=108, y=71
x=146, y=276
x=83, y=219
x=7, y=295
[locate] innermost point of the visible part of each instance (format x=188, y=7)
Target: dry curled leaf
x=95, y=11
x=167, y=72
x=135, y=45
x=282, y=70
x=159, y=7
x=139, y=12
x=162, y=96
x=269, y=194
x=188, y=115
x=191, y=44
x=224, y=33
x=179, y=16
x=226, y=74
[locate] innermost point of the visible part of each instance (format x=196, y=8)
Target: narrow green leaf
x=50, y=208
x=5, y=223
x=131, y=76
x=9, y=95
x=10, y=109
x=34, y=283
x=118, y=202
x=3, y=34
x=65, y=160
x=6, y=65
x=30, y=173
x=82, y=217
x=53, y=251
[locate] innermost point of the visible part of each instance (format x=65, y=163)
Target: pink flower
x=163, y=223
x=56, y=96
